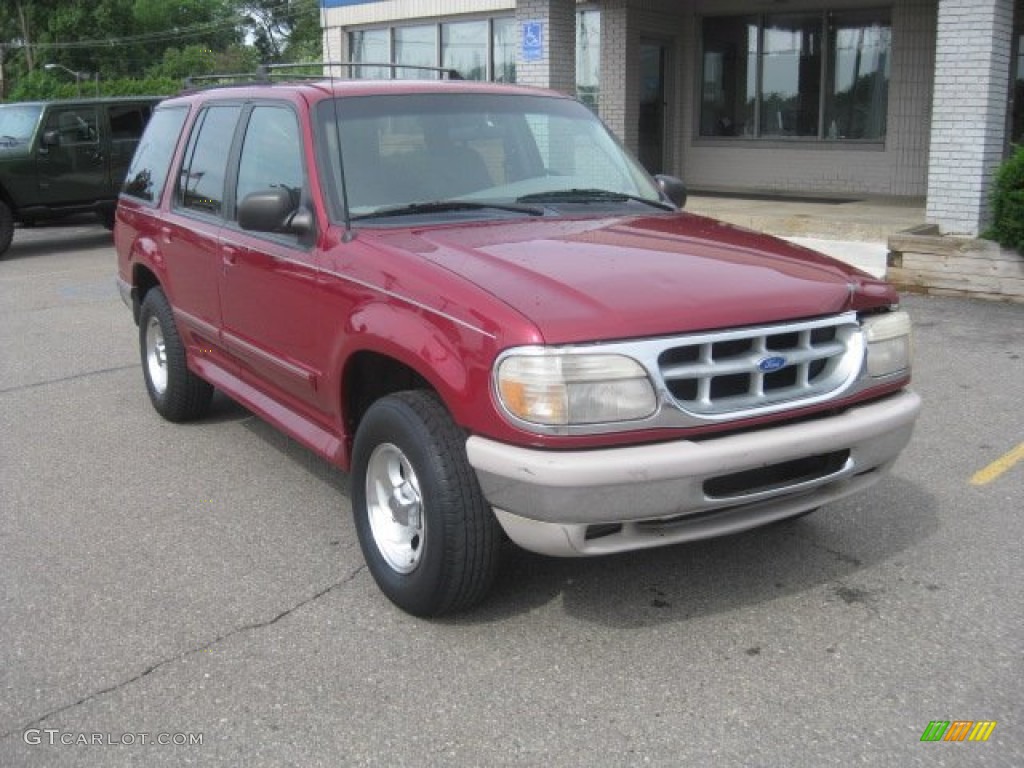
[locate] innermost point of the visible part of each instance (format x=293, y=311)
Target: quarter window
x=148, y=171
x=797, y=75
x=201, y=183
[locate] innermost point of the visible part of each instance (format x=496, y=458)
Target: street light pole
x=79, y=76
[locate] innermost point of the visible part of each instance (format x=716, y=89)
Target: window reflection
x=416, y=46
x=729, y=88
x=1017, y=127
x=464, y=48
x=791, y=75
x=797, y=75
x=588, y=57
x=504, y=44
x=858, y=86
x=371, y=45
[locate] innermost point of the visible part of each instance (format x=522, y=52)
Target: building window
x=416, y=46
x=796, y=75
x=464, y=48
x=478, y=49
x=503, y=47
x=1017, y=119
x=373, y=45
x=588, y=57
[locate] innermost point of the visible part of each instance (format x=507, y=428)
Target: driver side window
x=75, y=126
x=271, y=154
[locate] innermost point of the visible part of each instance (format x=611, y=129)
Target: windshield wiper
x=441, y=206
x=590, y=196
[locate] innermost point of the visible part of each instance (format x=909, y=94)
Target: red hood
x=597, y=279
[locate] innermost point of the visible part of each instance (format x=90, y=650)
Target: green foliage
x=132, y=41
x=1007, y=200
x=42, y=86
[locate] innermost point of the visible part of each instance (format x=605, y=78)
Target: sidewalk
x=855, y=231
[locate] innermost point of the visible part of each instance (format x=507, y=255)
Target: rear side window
x=127, y=121
x=201, y=183
x=150, y=166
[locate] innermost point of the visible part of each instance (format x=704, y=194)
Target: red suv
x=471, y=298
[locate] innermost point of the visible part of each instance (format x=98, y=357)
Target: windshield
x=489, y=149
x=17, y=122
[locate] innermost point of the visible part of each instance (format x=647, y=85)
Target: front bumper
x=618, y=499
x=125, y=289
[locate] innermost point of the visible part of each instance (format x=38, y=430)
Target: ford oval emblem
x=771, y=364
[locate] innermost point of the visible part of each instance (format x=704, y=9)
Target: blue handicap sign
x=533, y=40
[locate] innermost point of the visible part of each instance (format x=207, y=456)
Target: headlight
x=558, y=389
x=888, y=340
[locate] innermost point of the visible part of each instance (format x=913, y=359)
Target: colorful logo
x=958, y=730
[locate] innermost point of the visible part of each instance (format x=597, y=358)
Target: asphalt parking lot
x=203, y=583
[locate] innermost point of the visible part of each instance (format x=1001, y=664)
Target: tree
x=283, y=31
x=119, y=39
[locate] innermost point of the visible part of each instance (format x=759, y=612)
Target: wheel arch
x=143, y=280
x=370, y=375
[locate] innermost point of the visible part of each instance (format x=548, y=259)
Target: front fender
x=453, y=359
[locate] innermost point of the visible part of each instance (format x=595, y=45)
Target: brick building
x=831, y=98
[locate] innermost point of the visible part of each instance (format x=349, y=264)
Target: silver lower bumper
x=617, y=499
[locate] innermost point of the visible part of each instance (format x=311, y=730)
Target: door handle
x=230, y=255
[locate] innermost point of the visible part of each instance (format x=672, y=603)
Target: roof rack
x=269, y=73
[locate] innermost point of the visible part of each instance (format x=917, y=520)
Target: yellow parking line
x=998, y=467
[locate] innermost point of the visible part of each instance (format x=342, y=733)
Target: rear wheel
x=429, y=538
x=177, y=394
x=6, y=227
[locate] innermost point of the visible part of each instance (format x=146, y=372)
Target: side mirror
x=672, y=188
x=274, y=210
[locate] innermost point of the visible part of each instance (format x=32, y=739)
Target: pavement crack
x=257, y=625
x=837, y=554
x=72, y=377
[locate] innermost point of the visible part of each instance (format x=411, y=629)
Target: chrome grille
x=748, y=369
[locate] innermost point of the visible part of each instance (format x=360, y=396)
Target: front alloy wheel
x=395, y=507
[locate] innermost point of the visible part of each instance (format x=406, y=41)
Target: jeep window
x=18, y=122
x=201, y=182
x=271, y=153
x=76, y=125
x=149, y=168
x=127, y=121
x=484, y=148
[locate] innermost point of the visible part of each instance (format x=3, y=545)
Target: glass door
x=653, y=106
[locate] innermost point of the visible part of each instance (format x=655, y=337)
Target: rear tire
x=429, y=538
x=177, y=394
x=6, y=227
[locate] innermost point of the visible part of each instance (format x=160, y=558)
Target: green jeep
x=63, y=157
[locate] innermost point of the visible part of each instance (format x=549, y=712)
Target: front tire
x=429, y=538
x=177, y=394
